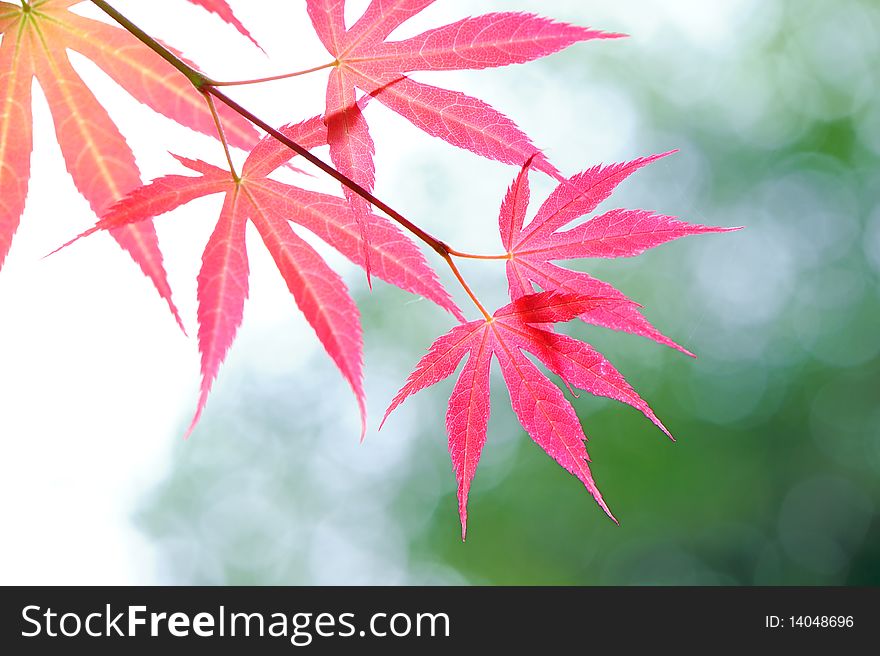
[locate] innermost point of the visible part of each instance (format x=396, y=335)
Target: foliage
x=36, y=37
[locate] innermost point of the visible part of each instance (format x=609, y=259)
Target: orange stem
x=471, y=256
x=272, y=78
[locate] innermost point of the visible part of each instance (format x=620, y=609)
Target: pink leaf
x=223, y=288
x=547, y=417
x=269, y=153
x=496, y=39
x=540, y=406
x=617, y=313
x=156, y=198
x=467, y=419
x=579, y=195
x=87, y=136
x=618, y=233
x=514, y=207
x=394, y=257
x=351, y=145
x=440, y=362
x=16, y=135
x=320, y=294
x=458, y=119
x=351, y=148
x=377, y=66
x=579, y=364
x=328, y=19
x=548, y=307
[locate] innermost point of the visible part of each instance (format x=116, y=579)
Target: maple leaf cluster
x=367, y=64
x=527, y=324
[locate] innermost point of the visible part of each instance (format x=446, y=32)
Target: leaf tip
x=607, y=510
x=192, y=425
x=680, y=348
x=463, y=517
x=88, y=232
x=203, y=400
x=363, y=425
x=195, y=419
x=362, y=407
x=176, y=314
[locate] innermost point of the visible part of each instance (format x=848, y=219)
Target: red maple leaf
x=319, y=292
x=36, y=39
x=617, y=233
x=526, y=324
x=539, y=405
x=365, y=59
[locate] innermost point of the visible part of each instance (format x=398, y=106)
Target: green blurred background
x=774, y=478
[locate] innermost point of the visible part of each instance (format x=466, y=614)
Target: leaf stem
x=222, y=135
x=471, y=256
x=272, y=78
x=466, y=287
